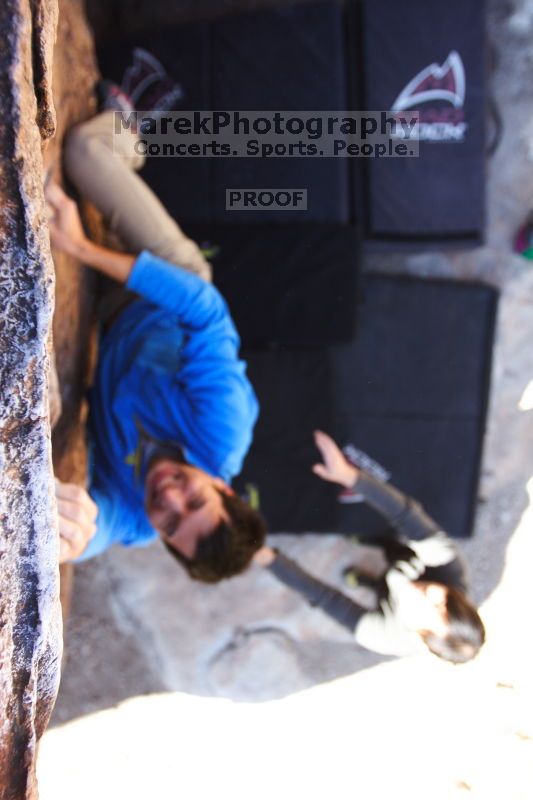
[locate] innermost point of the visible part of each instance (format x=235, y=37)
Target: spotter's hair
x=466, y=632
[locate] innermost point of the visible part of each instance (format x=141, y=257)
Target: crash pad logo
x=438, y=91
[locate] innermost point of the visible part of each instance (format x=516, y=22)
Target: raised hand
x=335, y=468
x=67, y=234
x=66, y=229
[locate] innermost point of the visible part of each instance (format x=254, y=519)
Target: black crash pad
x=439, y=197
x=286, y=285
x=411, y=392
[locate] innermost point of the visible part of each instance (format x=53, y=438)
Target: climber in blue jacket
x=171, y=416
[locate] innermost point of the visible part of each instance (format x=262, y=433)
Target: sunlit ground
x=412, y=728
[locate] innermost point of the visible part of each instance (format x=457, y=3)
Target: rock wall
x=30, y=628
x=75, y=73
x=30, y=619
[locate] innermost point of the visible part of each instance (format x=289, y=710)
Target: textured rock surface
x=30, y=634
x=75, y=72
x=44, y=26
x=74, y=334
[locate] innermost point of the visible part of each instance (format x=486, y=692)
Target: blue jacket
x=167, y=369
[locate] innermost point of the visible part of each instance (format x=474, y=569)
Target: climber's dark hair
x=228, y=550
x=466, y=632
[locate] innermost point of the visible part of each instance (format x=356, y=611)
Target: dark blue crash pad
x=411, y=392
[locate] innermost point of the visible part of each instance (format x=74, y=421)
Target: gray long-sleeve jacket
x=420, y=551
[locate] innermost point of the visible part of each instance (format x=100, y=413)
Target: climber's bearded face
x=184, y=503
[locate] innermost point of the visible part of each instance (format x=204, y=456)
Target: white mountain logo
x=446, y=82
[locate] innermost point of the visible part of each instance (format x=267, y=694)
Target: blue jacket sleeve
x=197, y=303
x=115, y=524
x=103, y=537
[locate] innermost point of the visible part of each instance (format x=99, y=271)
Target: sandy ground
x=162, y=681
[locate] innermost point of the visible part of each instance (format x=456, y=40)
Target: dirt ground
x=155, y=665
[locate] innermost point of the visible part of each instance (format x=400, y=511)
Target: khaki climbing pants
x=103, y=167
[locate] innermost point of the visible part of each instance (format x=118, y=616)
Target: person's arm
x=67, y=235
x=86, y=524
x=431, y=546
x=196, y=302
x=90, y=523
x=336, y=605
x=114, y=264
x=116, y=523
x=378, y=631
x=404, y=514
